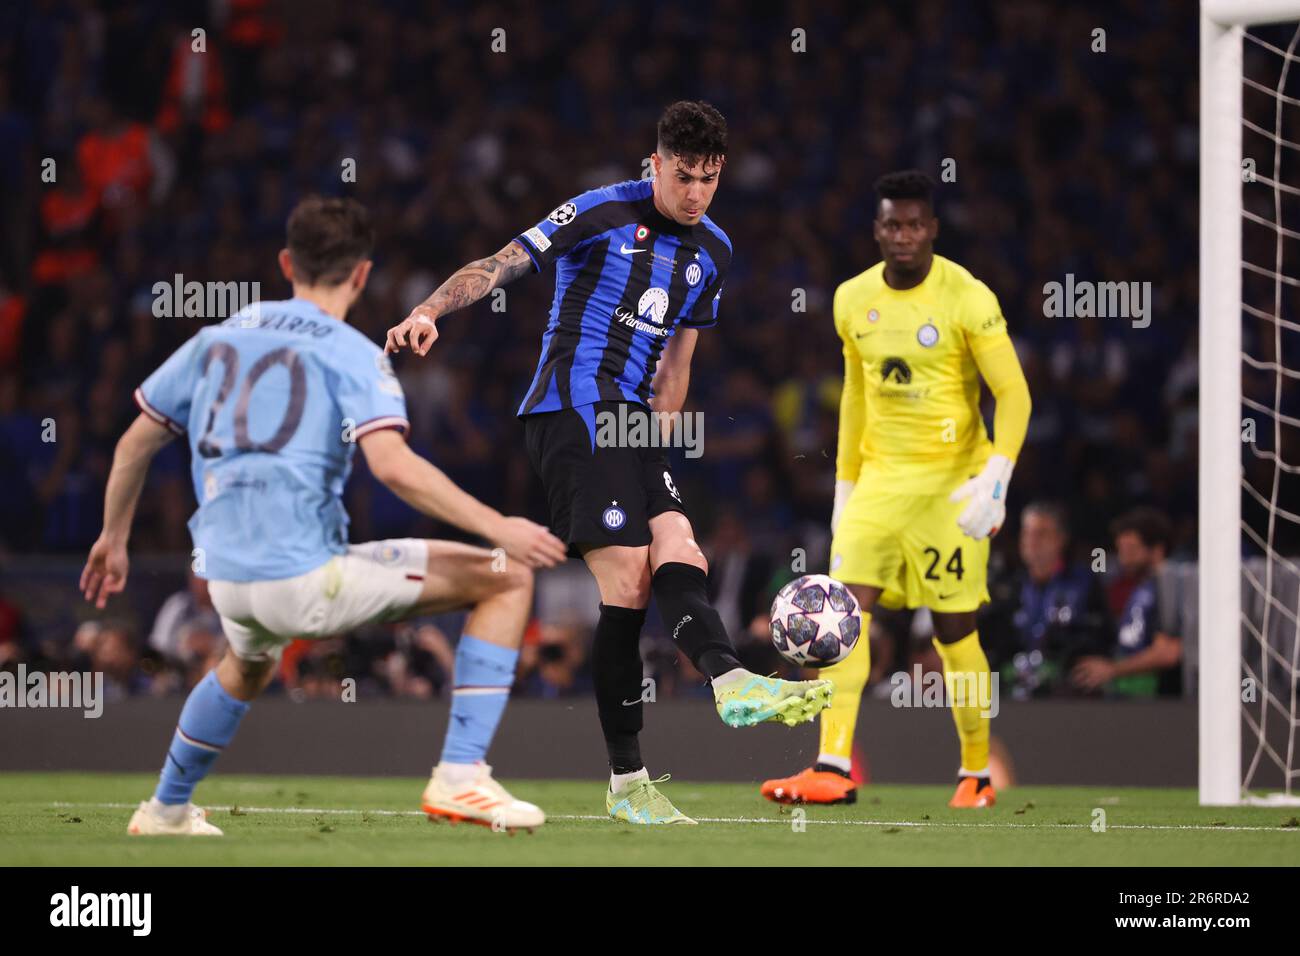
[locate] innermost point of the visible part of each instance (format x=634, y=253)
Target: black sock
x=616, y=671
x=831, y=768
x=681, y=590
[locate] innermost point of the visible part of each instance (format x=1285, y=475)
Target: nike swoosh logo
x=863, y=335
x=628, y=251
x=944, y=597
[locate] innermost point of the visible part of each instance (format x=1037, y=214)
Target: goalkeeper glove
x=987, y=491
x=843, y=491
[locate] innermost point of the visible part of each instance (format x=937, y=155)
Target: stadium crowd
x=136, y=151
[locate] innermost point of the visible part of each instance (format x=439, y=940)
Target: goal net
x=1249, y=482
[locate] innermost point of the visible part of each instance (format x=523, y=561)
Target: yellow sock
x=838, y=720
x=966, y=677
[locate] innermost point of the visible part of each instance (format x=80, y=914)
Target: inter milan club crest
x=641, y=233
x=614, y=517
x=873, y=316
x=694, y=274
x=927, y=334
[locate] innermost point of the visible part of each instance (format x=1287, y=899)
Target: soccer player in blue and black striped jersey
x=639, y=271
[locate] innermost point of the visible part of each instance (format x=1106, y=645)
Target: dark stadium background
x=1067, y=161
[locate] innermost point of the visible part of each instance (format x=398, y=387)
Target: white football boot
x=477, y=798
x=152, y=819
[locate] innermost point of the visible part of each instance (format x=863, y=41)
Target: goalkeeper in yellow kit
x=919, y=487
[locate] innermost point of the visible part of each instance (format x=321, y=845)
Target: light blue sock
x=208, y=722
x=480, y=688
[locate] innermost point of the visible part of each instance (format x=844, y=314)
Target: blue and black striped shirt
x=627, y=278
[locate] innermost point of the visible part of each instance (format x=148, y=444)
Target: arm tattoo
x=470, y=283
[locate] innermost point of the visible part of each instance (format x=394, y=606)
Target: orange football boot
x=811, y=786
x=974, y=792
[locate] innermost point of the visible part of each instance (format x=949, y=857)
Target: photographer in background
x=1048, y=617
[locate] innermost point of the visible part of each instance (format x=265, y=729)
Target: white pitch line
x=919, y=824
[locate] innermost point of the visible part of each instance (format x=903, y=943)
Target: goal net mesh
x=1271, y=410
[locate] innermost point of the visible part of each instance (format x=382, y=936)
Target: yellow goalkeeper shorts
x=911, y=547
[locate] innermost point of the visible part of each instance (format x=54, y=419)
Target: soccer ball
x=815, y=621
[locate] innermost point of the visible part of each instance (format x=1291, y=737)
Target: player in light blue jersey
x=274, y=401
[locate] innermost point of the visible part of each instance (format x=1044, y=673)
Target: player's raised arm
x=467, y=285
x=429, y=491
x=106, y=568
x=564, y=229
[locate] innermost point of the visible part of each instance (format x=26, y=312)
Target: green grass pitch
x=79, y=819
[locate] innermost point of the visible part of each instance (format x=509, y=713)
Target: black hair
x=695, y=131
x=1050, y=509
x=905, y=184
x=1148, y=524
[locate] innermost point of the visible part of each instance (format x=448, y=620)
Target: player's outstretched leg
x=746, y=699
x=462, y=787
x=208, y=722
x=680, y=584
x=742, y=697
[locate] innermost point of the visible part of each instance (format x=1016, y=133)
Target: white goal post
x=1223, y=24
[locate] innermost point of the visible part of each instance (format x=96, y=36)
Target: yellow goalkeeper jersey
x=909, y=413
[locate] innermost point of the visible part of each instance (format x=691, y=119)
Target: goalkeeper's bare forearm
x=466, y=286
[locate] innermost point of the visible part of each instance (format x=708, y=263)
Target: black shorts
x=604, y=493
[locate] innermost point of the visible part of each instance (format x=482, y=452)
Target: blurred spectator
x=110, y=649
x=421, y=661
x=1046, y=617
x=113, y=157
x=69, y=211
x=738, y=574
x=553, y=665
x=187, y=627
x=1147, y=659
x=11, y=649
